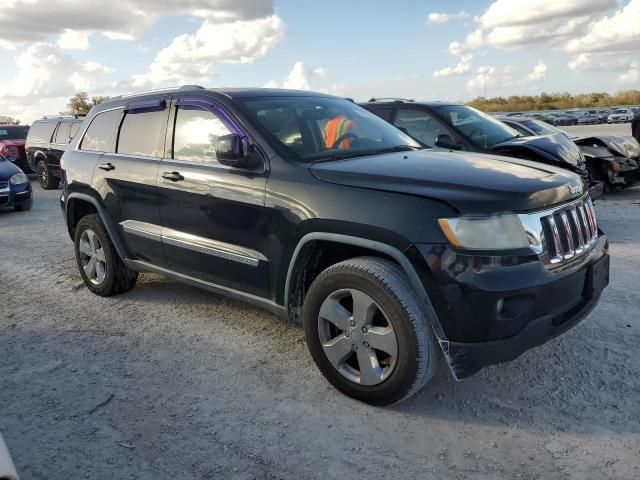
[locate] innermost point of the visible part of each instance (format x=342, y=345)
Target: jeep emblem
x=575, y=189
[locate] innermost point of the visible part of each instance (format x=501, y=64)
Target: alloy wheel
x=92, y=257
x=357, y=337
x=43, y=174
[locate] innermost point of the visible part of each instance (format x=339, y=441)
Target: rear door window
x=75, y=126
x=386, y=113
x=142, y=133
x=62, y=134
x=100, y=134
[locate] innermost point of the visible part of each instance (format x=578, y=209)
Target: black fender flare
x=384, y=248
x=109, y=225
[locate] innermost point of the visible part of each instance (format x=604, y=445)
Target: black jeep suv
x=47, y=140
x=318, y=210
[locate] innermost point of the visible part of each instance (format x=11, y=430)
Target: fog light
x=500, y=305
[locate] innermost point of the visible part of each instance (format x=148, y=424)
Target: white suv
x=621, y=115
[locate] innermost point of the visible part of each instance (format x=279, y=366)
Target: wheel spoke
x=332, y=311
x=337, y=350
x=383, y=339
x=84, y=247
x=90, y=268
x=363, y=308
x=370, y=370
x=93, y=241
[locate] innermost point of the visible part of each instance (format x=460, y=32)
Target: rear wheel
x=367, y=333
x=45, y=178
x=101, y=268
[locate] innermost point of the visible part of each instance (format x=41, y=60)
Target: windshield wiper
x=399, y=148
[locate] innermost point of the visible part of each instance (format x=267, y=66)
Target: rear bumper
x=492, y=309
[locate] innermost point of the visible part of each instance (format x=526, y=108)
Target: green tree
x=80, y=103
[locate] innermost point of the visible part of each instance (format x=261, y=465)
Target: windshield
x=620, y=110
x=542, y=128
x=13, y=133
x=479, y=127
x=317, y=128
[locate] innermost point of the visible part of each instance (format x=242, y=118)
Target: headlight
x=19, y=179
x=499, y=232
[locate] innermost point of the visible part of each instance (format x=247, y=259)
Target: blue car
x=15, y=188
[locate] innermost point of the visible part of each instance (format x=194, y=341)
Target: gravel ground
x=168, y=381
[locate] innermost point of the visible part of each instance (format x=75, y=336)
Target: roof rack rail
x=160, y=90
x=391, y=99
x=60, y=117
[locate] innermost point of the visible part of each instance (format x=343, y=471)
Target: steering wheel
x=342, y=138
x=478, y=132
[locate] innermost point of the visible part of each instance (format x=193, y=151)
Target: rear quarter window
x=40, y=132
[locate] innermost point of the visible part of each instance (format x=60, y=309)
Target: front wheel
x=367, y=333
x=101, y=268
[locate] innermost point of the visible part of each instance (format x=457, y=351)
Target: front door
x=213, y=216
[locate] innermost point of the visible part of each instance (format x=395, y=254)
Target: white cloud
x=190, y=57
x=539, y=72
x=28, y=21
x=491, y=78
x=631, y=77
x=300, y=77
x=599, y=62
x=511, y=13
x=619, y=32
x=462, y=68
x=43, y=70
x=71, y=39
x=445, y=17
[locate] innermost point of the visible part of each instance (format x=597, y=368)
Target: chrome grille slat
x=579, y=231
x=562, y=233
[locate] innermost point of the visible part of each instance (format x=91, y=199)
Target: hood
x=471, y=183
x=7, y=169
x=620, y=145
x=556, y=148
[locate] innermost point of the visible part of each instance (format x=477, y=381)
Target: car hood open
x=471, y=183
x=556, y=148
x=619, y=145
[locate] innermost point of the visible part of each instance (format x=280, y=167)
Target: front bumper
x=537, y=304
x=16, y=195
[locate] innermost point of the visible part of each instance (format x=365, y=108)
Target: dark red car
x=12, y=140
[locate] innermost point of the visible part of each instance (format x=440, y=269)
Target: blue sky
x=410, y=48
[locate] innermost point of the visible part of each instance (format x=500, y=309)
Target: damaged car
x=459, y=127
x=611, y=159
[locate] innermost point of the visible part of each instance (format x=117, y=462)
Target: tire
x=112, y=276
x=396, y=305
x=46, y=180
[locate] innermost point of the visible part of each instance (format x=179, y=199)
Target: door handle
x=173, y=176
x=106, y=166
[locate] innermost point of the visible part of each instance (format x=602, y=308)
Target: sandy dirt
x=171, y=382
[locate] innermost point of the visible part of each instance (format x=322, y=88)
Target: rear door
x=58, y=146
x=126, y=177
x=213, y=216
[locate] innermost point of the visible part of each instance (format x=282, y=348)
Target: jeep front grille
x=563, y=233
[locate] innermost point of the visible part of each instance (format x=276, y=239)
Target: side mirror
x=445, y=141
x=230, y=150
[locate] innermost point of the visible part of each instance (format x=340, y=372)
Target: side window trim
x=52, y=139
